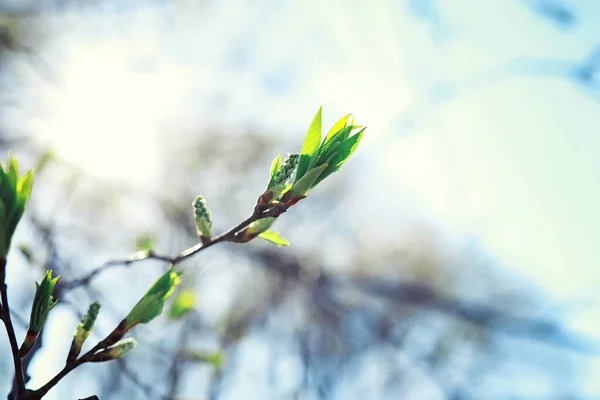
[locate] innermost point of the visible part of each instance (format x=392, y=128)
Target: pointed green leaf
x=337, y=127
x=6, y=191
x=43, y=302
x=337, y=137
x=343, y=152
x=274, y=238
x=12, y=171
x=347, y=147
x=24, y=187
x=216, y=359
x=151, y=304
x=327, y=150
x=301, y=187
x=310, y=146
x=184, y=302
x=275, y=165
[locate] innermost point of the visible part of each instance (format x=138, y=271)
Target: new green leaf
x=342, y=153
x=274, y=238
x=302, y=186
x=337, y=127
x=275, y=165
x=151, y=304
x=310, y=146
x=216, y=359
x=184, y=302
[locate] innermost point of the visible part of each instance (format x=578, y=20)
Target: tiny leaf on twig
x=274, y=238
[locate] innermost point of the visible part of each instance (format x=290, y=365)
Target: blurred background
x=453, y=257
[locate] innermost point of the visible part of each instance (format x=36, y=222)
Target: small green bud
x=14, y=196
x=83, y=331
x=255, y=229
x=88, y=320
x=43, y=302
x=183, y=303
x=279, y=180
x=287, y=169
x=115, y=351
x=260, y=226
x=202, y=218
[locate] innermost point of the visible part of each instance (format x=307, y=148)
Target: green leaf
x=343, y=152
x=26, y=252
x=310, y=146
x=216, y=359
x=326, y=148
x=301, y=187
x=275, y=165
x=43, y=302
x=346, y=149
x=24, y=186
x=274, y=238
x=144, y=242
x=337, y=127
x=6, y=192
x=184, y=302
x=151, y=304
x=261, y=225
x=12, y=171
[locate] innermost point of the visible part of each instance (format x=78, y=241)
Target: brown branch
x=10, y=330
x=70, y=366
x=229, y=236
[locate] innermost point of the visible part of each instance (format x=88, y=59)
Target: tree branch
x=228, y=236
x=10, y=330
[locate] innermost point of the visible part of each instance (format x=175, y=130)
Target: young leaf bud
x=115, y=351
x=149, y=306
x=43, y=302
x=83, y=331
x=202, y=219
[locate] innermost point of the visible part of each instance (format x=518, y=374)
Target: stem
x=224, y=237
x=10, y=330
x=41, y=392
x=227, y=236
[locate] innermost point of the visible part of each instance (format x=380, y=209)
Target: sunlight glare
x=105, y=116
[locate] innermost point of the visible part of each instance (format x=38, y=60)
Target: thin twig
x=228, y=236
x=10, y=330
